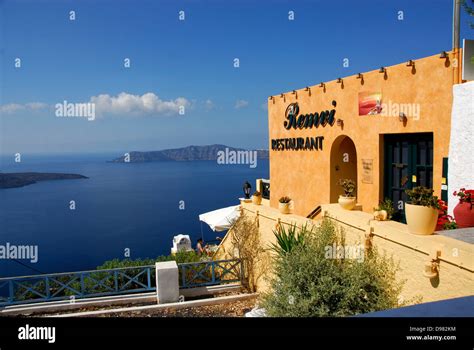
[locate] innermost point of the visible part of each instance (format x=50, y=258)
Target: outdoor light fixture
x=410, y=63
x=402, y=117
x=322, y=84
x=340, y=122
x=443, y=54
x=294, y=92
x=431, y=269
x=339, y=80
x=382, y=70
x=360, y=76
x=282, y=95
x=247, y=187
x=270, y=98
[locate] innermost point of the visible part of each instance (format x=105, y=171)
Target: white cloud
x=146, y=104
x=123, y=104
x=209, y=105
x=241, y=104
x=17, y=107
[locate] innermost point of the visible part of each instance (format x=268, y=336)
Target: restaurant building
x=387, y=129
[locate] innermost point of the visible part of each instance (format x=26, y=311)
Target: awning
x=220, y=219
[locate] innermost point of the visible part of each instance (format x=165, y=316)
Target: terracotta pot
x=257, y=200
x=464, y=215
x=284, y=208
x=347, y=203
x=421, y=220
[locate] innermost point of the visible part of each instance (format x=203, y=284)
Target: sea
x=122, y=209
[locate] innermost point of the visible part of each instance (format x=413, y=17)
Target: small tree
x=308, y=283
x=245, y=239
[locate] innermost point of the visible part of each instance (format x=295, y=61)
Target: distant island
x=189, y=153
x=12, y=180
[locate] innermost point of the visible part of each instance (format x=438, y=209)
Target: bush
x=307, y=283
x=386, y=205
x=245, y=239
x=349, y=187
x=287, y=240
x=423, y=196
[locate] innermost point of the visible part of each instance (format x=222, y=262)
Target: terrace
x=452, y=256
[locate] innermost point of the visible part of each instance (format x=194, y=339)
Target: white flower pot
x=347, y=203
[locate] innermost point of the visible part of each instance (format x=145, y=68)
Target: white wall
x=461, y=149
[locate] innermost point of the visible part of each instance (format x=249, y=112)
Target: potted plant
x=284, y=205
x=421, y=211
x=348, y=199
x=384, y=211
x=445, y=221
x=463, y=212
x=257, y=198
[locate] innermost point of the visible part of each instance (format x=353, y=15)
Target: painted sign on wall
x=370, y=103
x=296, y=120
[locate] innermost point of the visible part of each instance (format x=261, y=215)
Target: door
x=408, y=163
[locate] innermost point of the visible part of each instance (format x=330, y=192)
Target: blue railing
x=94, y=283
x=72, y=285
x=208, y=273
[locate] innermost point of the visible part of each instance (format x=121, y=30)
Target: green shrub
x=349, y=187
x=422, y=196
x=287, y=240
x=306, y=283
x=386, y=205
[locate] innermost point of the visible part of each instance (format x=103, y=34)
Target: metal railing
x=127, y=280
x=209, y=273
x=72, y=285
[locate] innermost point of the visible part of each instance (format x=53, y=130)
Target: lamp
x=247, y=187
x=340, y=122
x=339, y=80
x=410, y=63
x=402, y=117
x=282, y=95
x=443, y=54
x=382, y=70
x=321, y=84
x=360, y=76
x=270, y=98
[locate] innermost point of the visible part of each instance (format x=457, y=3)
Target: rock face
x=12, y=180
x=184, y=154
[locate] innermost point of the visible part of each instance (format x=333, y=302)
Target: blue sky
x=190, y=61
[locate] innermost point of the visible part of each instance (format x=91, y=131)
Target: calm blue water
x=120, y=206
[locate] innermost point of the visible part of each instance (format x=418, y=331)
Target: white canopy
x=220, y=219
